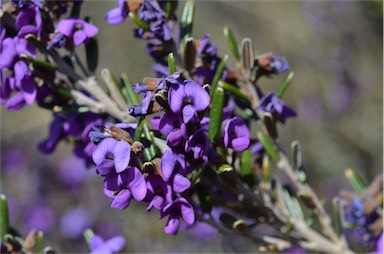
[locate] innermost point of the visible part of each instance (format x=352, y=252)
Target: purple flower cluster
x=75, y=126
x=18, y=85
x=158, y=34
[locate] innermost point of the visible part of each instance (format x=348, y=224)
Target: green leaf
x=88, y=235
x=336, y=215
x=4, y=217
x=268, y=146
x=285, y=84
x=138, y=21
x=127, y=90
x=171, y=63
x=139, y=129
x=186, y=21
x=246, y=167
x=92, y=50
x=225, y=168
x=232, y=44
x=39, y=242
x=38, y=62
x=233, y=90
x=218, y=74
x=355, y=181
x=215, y=113
x=266, y=169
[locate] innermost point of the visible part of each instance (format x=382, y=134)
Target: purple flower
x=29, y=21
x=10, y=50
x=161, y=30
x=178, y=209
x=161, y=70
x=74, y=222
x=144, y=108
x=77, y=29
x=55, y=134
x=205, y=47
x=173, y=167
x=278, y=64
x=98, y=246
x=112, y=152
x=150, y=12
x=355, y=212
x=159, y=193
x=25, y=3
x=236, y=134
x=117, y=15
x=199, y=143
x=172, y=126
x=58, y=41
x=379, y=245
x=272, y=104
x=188, y=98
x=41, y=217
x=271, y=64
x=129, y=183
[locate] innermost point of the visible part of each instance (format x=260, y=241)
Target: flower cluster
x=186, y=148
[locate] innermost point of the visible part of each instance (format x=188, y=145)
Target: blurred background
x=335, y=49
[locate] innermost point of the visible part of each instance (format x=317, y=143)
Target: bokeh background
x=336, y=51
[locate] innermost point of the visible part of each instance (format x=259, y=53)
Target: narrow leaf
x=215, y=113
x=285, y=84
x=189, y=54
x=355, y=181
x=171, y=63
x=186, y=22
x=296, y=155
x=39, y=63
x=139, y=129
x=233, y=90
x=76, y=8
x=138, y=21
x=336, y=215
x=270, y=125
x=39, y=242
x=92, y=50
x=129, y=94
x=232, y=44
x=266, y=169
x=4, y=217
x=247, y=58
x=218, y=74
x=225, y=168
x=246, y=168
x=268, y=146
x=88, y=235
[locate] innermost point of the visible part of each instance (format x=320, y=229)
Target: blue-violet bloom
x=77, y=29
x=272, y=104
x=98, y=246
x=112, y=150
x=188, y=98
x=236, y=135
x=179, y=208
